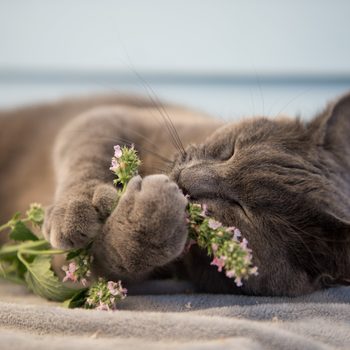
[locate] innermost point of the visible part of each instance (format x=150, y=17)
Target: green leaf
x=43, y=282
x=73, y=254
x=78, y=252
x=21, y=232
x=78, y=299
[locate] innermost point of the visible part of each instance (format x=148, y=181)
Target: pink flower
x=117, y=151
x=113, y=287
x=213, y=224
x=236, y=232
x=214, y=246
x=114, y=165
x=254, y=271
x=230, y=273
x=244, y=244
x=219, y=262
x=116, y=288
x=238, y=281
x=70, y=272
x=204, y=210
x=103, y=307
x=248, y=259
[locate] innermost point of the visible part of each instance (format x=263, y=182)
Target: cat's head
x=285, y=184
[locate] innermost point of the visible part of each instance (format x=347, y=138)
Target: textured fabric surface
x=178, y=321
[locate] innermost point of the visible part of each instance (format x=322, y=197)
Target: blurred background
x=230, y=58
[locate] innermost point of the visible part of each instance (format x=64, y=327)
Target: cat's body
x=284, y=183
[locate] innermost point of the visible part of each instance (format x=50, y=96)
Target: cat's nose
x=198, y=181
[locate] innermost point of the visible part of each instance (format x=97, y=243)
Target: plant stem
x=23, y=261
x=4, y=226
x=5, y=251
x=43, y=252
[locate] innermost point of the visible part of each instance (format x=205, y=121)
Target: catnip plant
x=28, y=259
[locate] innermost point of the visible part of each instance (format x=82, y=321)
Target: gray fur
x=283, y=182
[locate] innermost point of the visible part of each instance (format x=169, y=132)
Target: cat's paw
x=75, y=221
x=148, y=228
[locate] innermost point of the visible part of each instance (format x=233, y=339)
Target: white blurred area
x=229, y=58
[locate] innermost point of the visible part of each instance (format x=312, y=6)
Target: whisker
x=129, y=143
x=286, y=223
x=164, y=159
x=142, y=148
x=261, y=92
x=252, y=100
x=132, y=130
x=160, y=107
x=159, y=170
x=171, y=129
x=292, y=100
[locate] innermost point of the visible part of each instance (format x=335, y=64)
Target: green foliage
x=20, y=232
x=42, y=281
x=77, y=300
x=29, y=260
x=36, y=214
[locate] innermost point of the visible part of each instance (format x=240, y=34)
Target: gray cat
x=285, y=183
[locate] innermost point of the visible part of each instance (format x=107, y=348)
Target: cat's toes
x=104, y=200
x=72, y=224
x=158, y=215
x=169, y=193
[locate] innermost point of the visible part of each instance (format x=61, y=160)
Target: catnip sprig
x=229, y=250
x=125, y=164
x=105, y=295
x=78, y=269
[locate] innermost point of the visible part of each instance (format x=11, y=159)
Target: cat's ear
x=332, y=128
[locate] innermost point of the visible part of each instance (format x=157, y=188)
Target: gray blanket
x=176, y=320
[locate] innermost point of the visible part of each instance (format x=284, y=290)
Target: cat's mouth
x=201, y=186
x=205, y=197
x=216, y=199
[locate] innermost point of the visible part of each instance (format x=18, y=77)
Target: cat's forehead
x=258, y=130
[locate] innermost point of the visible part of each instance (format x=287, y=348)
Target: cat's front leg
x=148, y=229
x=84, y=192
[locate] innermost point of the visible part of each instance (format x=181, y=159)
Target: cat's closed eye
x=222, y=153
